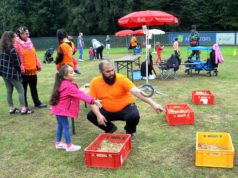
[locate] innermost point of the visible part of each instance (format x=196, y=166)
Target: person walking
x=80, y=46
x=108, y=43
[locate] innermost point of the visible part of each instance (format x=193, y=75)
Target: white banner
x=225, y=38
x=236, y=38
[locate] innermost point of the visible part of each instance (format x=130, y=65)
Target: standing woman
x=30, y=64
x=99, y=48
x=65, y=50
x=11, y=72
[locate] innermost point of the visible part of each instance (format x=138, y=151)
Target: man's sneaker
x=112, y=130
x=81, y=60
x=133, y=136
x=73, y=147
x=60, y=145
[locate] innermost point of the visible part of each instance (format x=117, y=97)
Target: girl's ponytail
x=59, y=77
x=55, y=93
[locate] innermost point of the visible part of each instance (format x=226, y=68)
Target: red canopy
x=148, y=18
x=139, y=33
x=124, y=33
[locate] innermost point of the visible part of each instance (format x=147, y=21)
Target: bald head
x=104, y=63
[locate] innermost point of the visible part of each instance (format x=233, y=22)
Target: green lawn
x=27, y=142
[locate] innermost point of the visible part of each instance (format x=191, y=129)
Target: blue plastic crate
x=137, y=75
x=137, y=50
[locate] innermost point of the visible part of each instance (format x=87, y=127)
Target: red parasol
x=139, y=33
x=148, y=18
x=124, y=33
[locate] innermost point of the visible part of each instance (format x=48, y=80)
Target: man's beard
x=109, y=81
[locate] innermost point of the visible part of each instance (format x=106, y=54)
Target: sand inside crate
x=210, y=147
x=107, y=146
x=176, y=111
x=201, y=93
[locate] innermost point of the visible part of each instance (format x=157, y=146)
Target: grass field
x=27, y=142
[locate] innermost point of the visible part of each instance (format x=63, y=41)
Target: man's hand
x=22, y=71
x=98, y=103
x=101, y=120
x=158, y=108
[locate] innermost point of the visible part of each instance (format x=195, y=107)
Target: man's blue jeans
x=63, y=124
x=80, y=52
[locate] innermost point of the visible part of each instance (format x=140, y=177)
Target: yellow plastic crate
x=214, y=157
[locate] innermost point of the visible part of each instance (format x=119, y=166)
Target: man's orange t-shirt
x=113, y=97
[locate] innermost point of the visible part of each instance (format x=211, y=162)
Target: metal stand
x=148, y=46
x=73, y=126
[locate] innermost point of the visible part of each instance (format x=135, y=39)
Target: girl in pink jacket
x=65, y=103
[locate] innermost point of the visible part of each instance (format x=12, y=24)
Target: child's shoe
x=73, y=147
x=60, y=145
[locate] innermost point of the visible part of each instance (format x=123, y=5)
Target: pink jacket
x=218, y=55
x=69, y=98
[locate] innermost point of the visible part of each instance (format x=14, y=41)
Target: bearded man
x=115, y=91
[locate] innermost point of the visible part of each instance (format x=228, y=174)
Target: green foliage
x=44, y=17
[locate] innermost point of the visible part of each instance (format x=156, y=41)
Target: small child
x=65, y=103
x=95, y=53
x=176, y=47
x=158, y=49
x=76, y=70
x=91, y=53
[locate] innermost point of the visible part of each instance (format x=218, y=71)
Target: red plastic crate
x=103, y=159
x=179, y=114
x=202, y=97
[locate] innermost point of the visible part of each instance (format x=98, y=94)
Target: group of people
x=19, y=66
x=111, y=95
x=193, y=41
x=96, y=51
x=110, y=98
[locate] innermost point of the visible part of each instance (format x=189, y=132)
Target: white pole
x=147, y=62
x=154, y=43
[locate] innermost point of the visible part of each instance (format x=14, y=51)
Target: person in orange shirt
x=133, y=42
x=30, y=65
x=65, y=50
x=116, y=93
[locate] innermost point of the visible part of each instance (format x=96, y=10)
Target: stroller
x=210, y=65
x=169, y=67
x=49, y=55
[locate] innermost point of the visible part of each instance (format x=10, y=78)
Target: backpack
x=194, y=38
x=193, y=43
x=143, y=69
